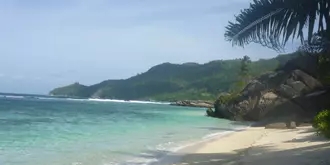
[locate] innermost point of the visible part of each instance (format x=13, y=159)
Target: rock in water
x=210, y=112
x=194, y=103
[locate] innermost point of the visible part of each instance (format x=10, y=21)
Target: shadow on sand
x=319, y=153
x=259, y=156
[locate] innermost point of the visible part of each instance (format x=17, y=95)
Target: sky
x=50, y=43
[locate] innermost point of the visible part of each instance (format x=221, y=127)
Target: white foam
x=56, y=98
x=214, y=135
x=167, y=159
x=130, y=101
x=168, y=147
x=11, y=96
x=90, y=99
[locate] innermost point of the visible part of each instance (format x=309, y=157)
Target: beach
x=49, y=131
x=259, y=146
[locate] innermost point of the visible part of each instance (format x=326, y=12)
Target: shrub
x=227, y=99
x=322, y=123
x=223, y=102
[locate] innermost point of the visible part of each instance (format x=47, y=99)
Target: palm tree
x=319, y=44
x=273, y=22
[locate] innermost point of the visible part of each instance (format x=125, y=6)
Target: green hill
x=174, y=81
x=75, y=89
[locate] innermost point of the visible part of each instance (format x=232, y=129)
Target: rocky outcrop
x=279, y=95
x=194, y=103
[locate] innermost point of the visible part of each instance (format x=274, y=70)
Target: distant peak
x=190, y=63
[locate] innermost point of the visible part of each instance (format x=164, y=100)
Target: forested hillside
x=174, y=81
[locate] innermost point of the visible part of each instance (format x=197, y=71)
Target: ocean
x=37, y=130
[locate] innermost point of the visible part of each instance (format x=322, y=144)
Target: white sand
x=259, y=146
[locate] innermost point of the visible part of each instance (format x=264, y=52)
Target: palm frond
x=319, y=43
x=272, y=22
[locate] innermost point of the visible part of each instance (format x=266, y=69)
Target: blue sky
x=50, y=43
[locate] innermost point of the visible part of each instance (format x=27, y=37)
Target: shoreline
x=178, y=153
x=257, y=146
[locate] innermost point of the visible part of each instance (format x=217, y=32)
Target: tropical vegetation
x=171, y=82
x=272, y=23
x=322, y=123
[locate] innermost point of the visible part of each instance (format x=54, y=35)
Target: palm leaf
x=272, y=22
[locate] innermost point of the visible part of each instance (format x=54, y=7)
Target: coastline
x=257, y=146
x=176, y=155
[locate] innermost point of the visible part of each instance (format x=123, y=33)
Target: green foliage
x=244, y=75
x=324, y=68
x=319, y=43
x=227, y=98
x=185, y=95
x=70, y=90
x=170, y=82
x=245, y=69
x=322, y=123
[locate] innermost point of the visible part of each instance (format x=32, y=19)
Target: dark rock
x=253, y=88
x=210, y=112
x=281, y=125
x=282, y=122
x=287, y=91
x=308, y=80
x=297, y=85
x=305, y=62
x=194, y=103
x=275, y=95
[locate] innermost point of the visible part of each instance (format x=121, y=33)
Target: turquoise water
x=81, y=132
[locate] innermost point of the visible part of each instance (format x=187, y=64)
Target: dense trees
x=245, y=68
x=177, y=82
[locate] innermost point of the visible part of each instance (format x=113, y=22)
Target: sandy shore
x=259, y=146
